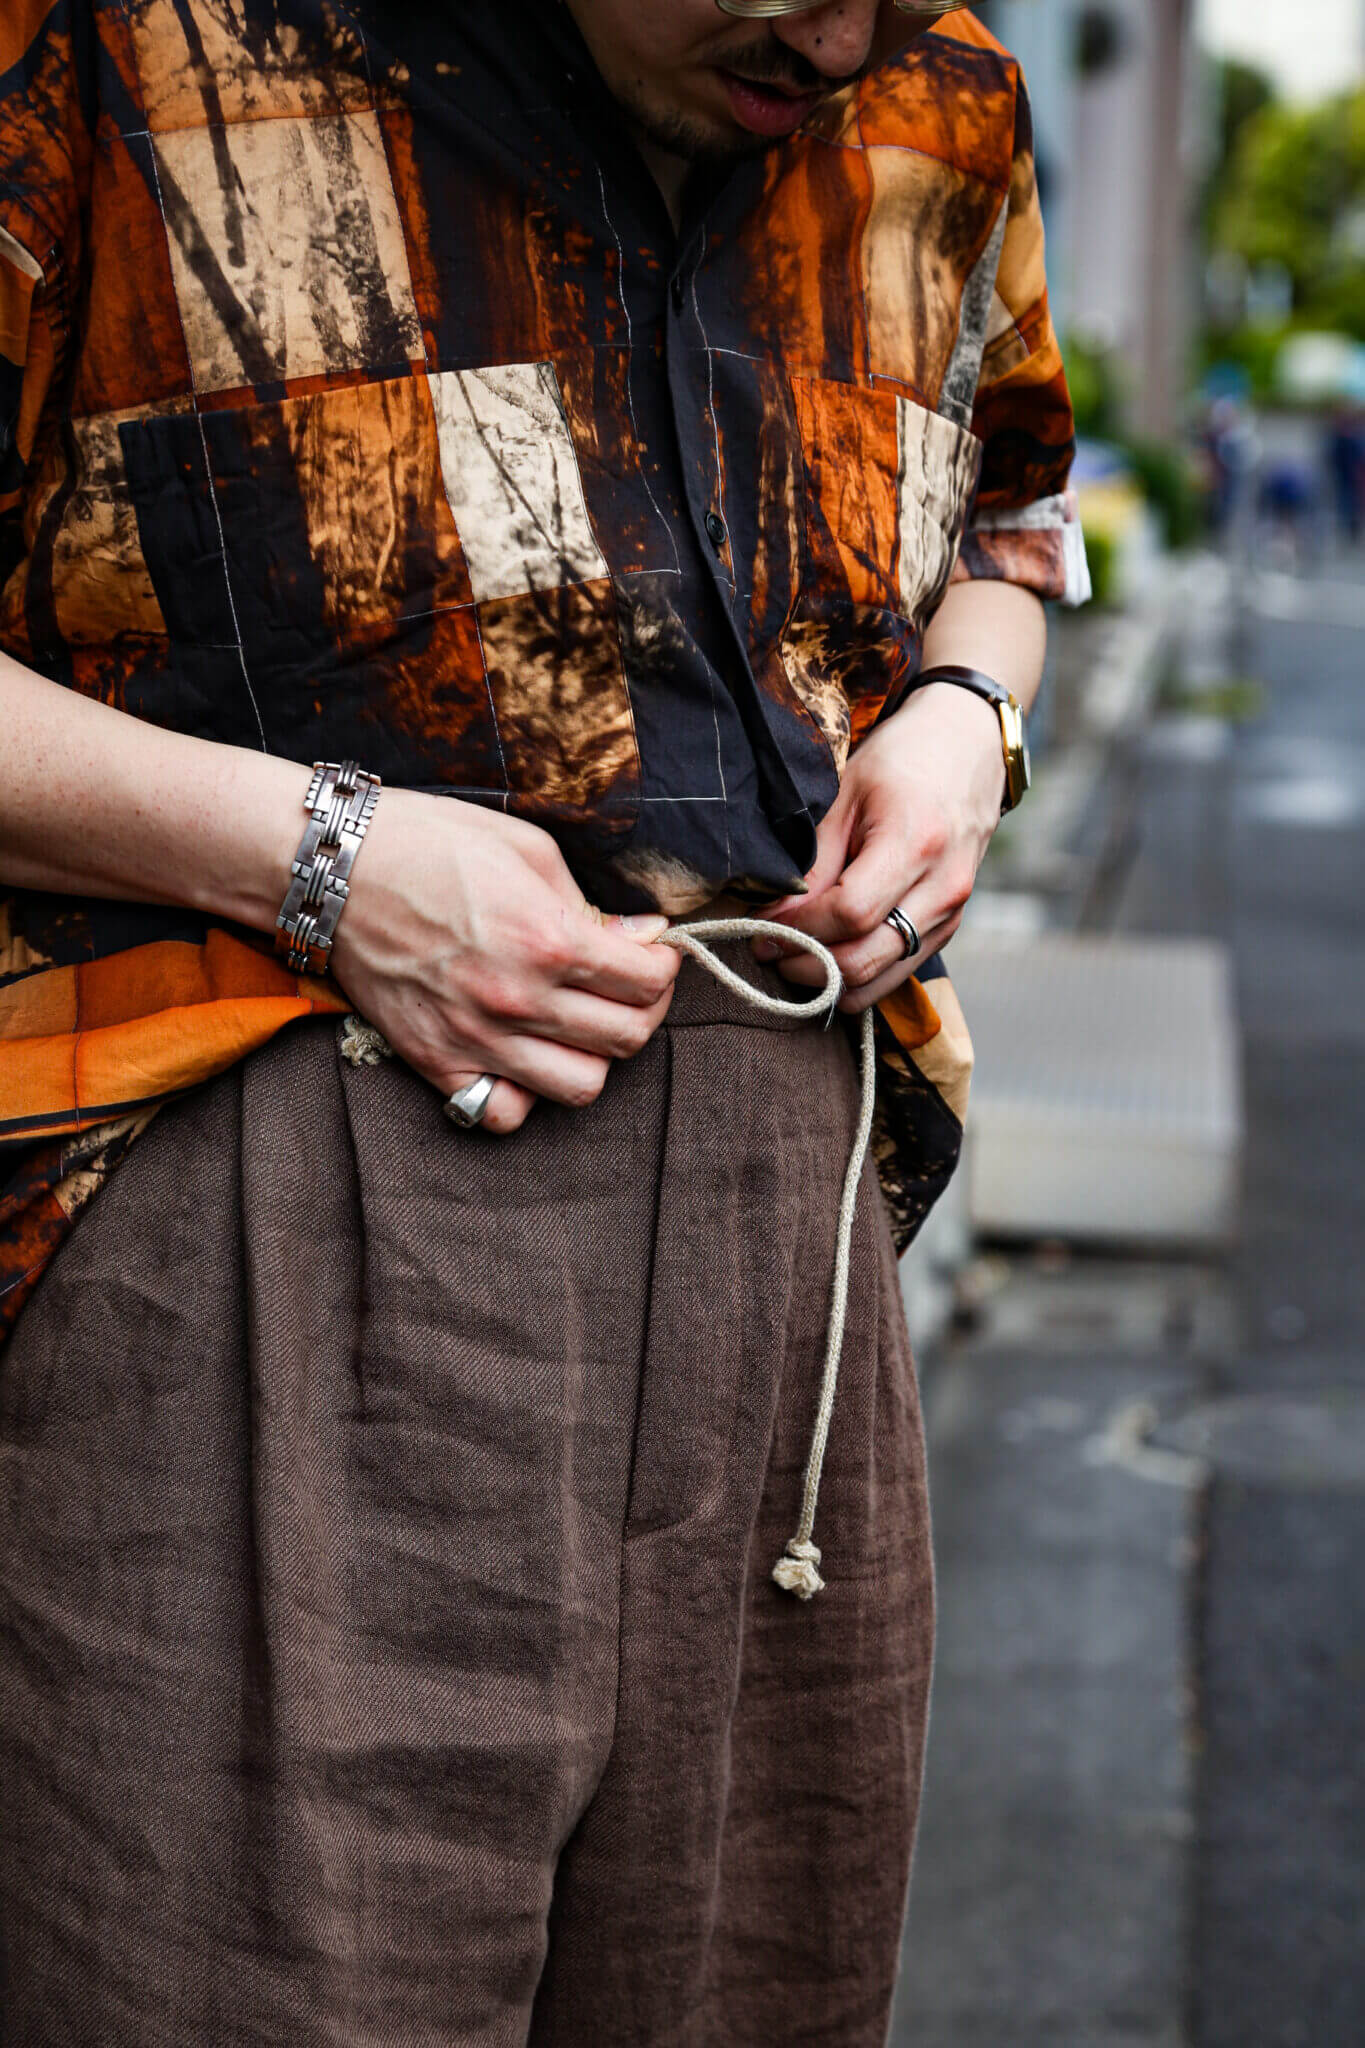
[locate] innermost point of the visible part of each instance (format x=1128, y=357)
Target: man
x=597, y=421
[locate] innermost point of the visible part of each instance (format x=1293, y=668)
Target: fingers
x=929, y=874
x=620, y=962
x=853, y=907
x=557, y=1042
x=531, y=1067
x=566, y=1060
x=857, y=999
x=832, y=841
x=878, y=960
x=508, y=1105
x=617, y=1031
x=612, y=956
x=870, y=984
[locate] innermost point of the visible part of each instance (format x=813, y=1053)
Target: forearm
x=996, y=627
x=98, y=803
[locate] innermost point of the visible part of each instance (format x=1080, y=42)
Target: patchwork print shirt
x=358, y=397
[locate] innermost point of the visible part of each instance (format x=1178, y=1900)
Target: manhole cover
x=1289, y=1440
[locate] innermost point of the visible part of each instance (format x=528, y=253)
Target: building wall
x=1119, y=156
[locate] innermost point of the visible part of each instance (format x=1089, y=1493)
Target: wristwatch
x=1013, y=735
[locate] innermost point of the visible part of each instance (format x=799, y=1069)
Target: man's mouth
x=771, y=110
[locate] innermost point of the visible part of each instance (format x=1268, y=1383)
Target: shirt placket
x=690, y=351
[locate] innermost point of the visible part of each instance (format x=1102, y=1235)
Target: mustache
x=771, y=63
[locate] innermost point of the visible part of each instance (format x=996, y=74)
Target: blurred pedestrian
x=1345, y=464
x=623, y=447
x=1230, y=452
x=1289, y=508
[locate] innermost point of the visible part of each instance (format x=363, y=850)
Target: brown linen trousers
x=388, y=1652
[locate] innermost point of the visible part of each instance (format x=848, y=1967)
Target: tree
x=1290, y=193
x=1241, y=90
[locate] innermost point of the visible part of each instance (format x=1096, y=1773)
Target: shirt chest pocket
x=888, y=487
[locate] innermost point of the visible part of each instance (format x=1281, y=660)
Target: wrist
x=974, y=728
x=340, y=804
x=254, y=819
x=1009, y=715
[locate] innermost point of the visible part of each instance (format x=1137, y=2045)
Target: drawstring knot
x=362, y=1044
x=795, y=1571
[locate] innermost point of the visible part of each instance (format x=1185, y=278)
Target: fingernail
x=767, y=949
x=644, y=925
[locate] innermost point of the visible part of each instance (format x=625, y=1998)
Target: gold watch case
x=1014, y=739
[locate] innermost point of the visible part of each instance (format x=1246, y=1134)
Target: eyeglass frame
x=772, y=10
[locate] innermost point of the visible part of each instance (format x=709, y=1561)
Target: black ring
x=907, y=929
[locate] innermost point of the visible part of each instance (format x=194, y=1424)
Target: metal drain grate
x=1106, y=1104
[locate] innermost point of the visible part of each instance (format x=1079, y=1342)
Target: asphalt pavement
x=1145, y=1812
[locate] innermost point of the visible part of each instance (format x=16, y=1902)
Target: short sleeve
x=1025, y=526
x=44, y=172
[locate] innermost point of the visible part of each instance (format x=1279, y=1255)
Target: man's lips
x=766, y=109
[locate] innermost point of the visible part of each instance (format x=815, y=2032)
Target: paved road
x=1279, y=1928
x=1145, y=1821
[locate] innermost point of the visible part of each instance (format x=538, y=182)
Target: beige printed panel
x=946, y=1060
x=102, y=588
x=512, y=478
x=15, y=253
x=203, y=62
x=811, y=651
x=1005, y=346
x=926, y=228
x=1022, y=280
x=286, y=248
x=939, y=467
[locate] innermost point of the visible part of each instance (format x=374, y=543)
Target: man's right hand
x=467, y=942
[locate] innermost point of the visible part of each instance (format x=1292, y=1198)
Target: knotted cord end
x=795, y=1571
x=362, y=1045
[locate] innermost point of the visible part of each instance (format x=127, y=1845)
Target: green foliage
x=1102, y=552
x=1096, y=391
x=1293, y=179
x=1242, y=91
x=1254, y=350
x=1239, y=700
x=1167, y=482
x=1339, y=303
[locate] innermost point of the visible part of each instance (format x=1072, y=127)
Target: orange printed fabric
x=358, y=398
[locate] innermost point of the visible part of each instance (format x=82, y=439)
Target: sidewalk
x=1051, y=865
x=1145, y=1811
x=1051, y=1891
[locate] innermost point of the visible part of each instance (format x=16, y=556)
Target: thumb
x=832, y=838
x=644, y=925
x=875, y=874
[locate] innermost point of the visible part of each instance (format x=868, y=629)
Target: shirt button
x=676, y=294
x=715, y=530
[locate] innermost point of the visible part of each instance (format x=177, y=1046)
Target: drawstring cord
x=796, y=1571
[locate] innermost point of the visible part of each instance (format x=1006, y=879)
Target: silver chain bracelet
x=341, y=799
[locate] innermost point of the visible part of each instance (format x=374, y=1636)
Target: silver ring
x=467, y=1105
x=906, y=928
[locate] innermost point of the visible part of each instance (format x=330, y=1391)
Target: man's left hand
x=917, y=808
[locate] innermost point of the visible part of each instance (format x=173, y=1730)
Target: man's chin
x=695, y=138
